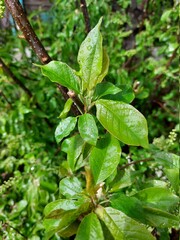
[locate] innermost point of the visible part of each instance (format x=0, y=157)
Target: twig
x=158, y=77
x=135, y=162
x=5, y=225
x=20, y=18
x=4, y=96
x=86, y=15
x=8, y=71
x=15, y=79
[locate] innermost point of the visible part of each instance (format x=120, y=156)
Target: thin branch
x=15, y=79
x=8, y=71
x=4, y=96
x=6, y=224
x=20, y=18
x=158, y=77
x=86, y=15
x=135, y=162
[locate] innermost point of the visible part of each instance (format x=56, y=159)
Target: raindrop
x=89, y=47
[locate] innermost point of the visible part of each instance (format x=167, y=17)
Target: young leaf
x=90, y=58
x=104, y=158
x=64, y=128
x=123, y=121
x=90, y=228
x=105, y=67
x=67, y=108
x=61, y=73
x=121, y=226
x=73, y=147
x=70, y=187
x=88, y=129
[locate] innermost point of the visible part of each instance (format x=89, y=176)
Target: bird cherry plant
x=92, y=204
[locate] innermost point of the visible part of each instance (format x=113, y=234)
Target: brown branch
x=15, y=79
x=135, y=162
x=20, y=18
x=86, y=15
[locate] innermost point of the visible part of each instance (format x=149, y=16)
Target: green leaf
x=62, y=213
x=90, y=228
x=61, y=204
x=127, y=180
x=158, y=218
x=73, y=147
x=169, y=160
x=123, y=121
x=105, y=67
x=158, y=197
x=131, y=206
x=88, y=129
x=69, y=231
x=121, y=226
x=173, y=177
x=105, y=88
x=70, y=187
x=104, y=158
x=66, y=109
x=90, y=58
x=125, y=95
x=65, y=127
x=61, y=73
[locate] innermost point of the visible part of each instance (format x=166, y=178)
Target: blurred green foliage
x=142, y=44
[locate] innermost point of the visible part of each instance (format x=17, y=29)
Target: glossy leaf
x=61, y=73
x=67, y=108
x=125, y=95
x=90, y=228
x=104, y=158
x=121, y=226
x=64, y=128
x=158, y=197
x=73, y=147
x=105, y=88
x=88, y=129
x=70, y=187
x=123, y=121
x=61, y=204
x=90, y=58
